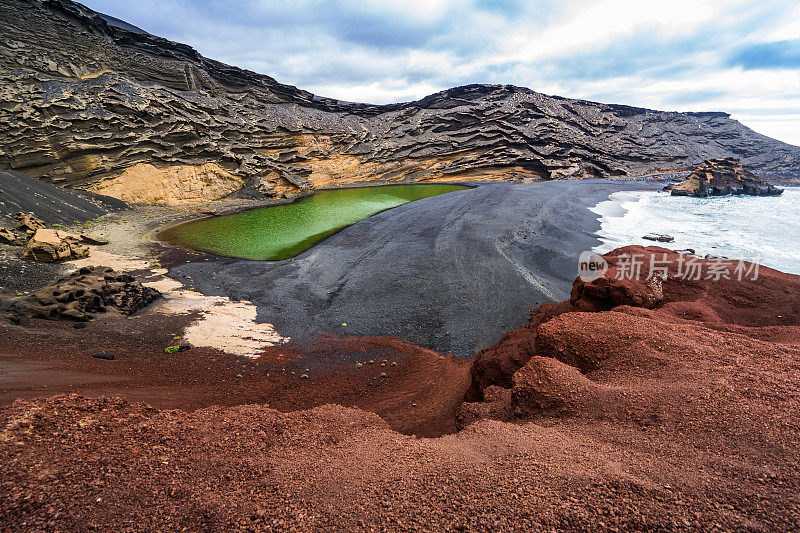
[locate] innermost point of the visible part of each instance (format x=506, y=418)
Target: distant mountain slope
x=90, y=101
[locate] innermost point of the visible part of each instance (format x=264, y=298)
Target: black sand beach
x=452, y=272
x=54, y=205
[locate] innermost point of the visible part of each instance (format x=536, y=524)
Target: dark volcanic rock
x=96, y=240
x=9, y=237
x=720, y=177
x=84, y=98
x=85, y=292
x=659, y=237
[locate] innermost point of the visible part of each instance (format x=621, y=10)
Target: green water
x=283, y=231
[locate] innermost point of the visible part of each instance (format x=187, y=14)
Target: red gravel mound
x=765, y=307
x=419, y=394
x=641, y=404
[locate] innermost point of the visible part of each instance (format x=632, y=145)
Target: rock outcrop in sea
x=720, y=177
x=89, y=101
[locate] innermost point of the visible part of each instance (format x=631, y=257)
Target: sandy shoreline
x=451, y=273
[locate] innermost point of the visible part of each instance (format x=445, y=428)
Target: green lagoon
x=283, y=231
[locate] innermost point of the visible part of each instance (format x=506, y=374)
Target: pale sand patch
x=223, y=324
x=164, y=285
x=115, y=261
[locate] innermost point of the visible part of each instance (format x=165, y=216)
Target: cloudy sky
x=739, y=56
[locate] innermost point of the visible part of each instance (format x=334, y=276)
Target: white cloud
x=596, y=23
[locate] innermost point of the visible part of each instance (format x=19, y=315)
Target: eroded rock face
x=83, y=294
x=173, y=185
x=662, y=288
x=83, y=102
x=28, y=223
x=52, y=246
x=720, y=177
x=9, y=237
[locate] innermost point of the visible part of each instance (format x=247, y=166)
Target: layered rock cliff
x=92, y=102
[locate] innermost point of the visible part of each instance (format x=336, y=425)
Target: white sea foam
x=739, y=227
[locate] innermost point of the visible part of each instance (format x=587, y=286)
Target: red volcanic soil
x=655, y=403
x=419, y=395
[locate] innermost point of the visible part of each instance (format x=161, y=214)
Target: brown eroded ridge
x=656, y=403
x=190, y=129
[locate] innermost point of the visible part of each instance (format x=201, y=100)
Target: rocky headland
x=89, y=101
x=720, y=177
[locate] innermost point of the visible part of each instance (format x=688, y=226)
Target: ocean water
x=737, y=227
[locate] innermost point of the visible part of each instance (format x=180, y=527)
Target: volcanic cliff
x=89, y=101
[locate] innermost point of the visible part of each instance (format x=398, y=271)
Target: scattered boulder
x=51, y=246
x=28, y=223
x=9, y=237
x=659, y=237
x=95, y=240
x=83, y=293
x=720, y=177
